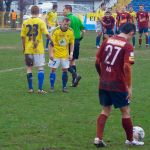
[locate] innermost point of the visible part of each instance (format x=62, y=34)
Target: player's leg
x=39, y=62
x=29, y=65
x=65, y=66
x=73, y=69
x=140, y=36
x=53, y=64
x=146, y=36
x=127, y=122
x=105, y=101
x=128, y=127
x=99, y=33
x=133, y=41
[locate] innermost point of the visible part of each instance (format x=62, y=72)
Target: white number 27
x=110, y=49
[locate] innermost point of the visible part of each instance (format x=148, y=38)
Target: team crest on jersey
x=131, y=57
x=62, y=42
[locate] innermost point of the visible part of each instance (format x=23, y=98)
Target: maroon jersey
x=143, y=19
x=109, y=22
x=123, y=18
x=112, y=55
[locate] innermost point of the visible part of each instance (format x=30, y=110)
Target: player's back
x=113, y=54
x=32, y=30
x=35, y=24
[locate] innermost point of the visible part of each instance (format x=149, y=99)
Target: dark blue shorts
x=109, y=32
x=76, y=49
x=118, y=99
x=143, y=30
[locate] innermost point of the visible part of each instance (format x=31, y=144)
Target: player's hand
x=71, y=56
x=81, y=38
x=51, y=57
x=129, y=94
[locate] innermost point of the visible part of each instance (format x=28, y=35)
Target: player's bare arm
x=128, y=78
x=97, y=63
x=51, y=51
x=23, y=43
x=71, y=51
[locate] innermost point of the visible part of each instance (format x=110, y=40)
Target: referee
x=78, y=29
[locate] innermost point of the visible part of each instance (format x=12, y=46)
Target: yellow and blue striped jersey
x=133, y=16
x=61, y=41
x=32, y=30
x=52, y=18
x=99, y=14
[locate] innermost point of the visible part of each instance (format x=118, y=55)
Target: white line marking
x=11, y=69
x=89, y=59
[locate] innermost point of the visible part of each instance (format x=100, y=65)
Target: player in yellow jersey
x=132, y=20
x=99, y=15
x=62, y=42
x=51, y=21
x=33, y=48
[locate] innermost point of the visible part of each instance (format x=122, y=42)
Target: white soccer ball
x=138, y=133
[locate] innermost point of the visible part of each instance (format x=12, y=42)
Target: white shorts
x=37, y=60
x=98, y=26
x=57, y=61
x=51, y=29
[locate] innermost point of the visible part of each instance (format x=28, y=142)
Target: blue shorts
x=118, y=99
x=76, y=49
x=109, y=32
x=143, y=30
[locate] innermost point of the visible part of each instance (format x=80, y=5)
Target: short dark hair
x=103, y=4
x=55, y=6
x=68, y=7
x=141, y=5
x=66, y=19
x=107, y=12
x=128, y=27
x=35, y=10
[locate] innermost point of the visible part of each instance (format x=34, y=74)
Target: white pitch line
x=11, y=69
x=81, y=59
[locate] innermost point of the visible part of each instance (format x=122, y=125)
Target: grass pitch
x=60, y=121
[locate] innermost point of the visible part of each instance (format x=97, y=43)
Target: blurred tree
x=6, y=15
x=1, y=13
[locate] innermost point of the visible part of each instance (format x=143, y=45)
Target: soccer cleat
x=30, y=91
x=134, y=143
x=65, y=90
x=42, y=92
x=46, y=49
x=97, y=46
x=76, y=81
x=147, y=45
x=99, y=143
x=51, y=90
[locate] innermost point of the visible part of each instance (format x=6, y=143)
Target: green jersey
x=76, y=25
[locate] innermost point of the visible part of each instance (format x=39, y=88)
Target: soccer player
x=122, y=18
x=78, y=29
x=33, y=48
x=113, y=64
x=51, y=21
x=132, y=20
x=108, y=23
x=61, y=37
x=99, y=15
x=142, y=19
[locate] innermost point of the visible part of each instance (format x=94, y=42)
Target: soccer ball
x=138, y=133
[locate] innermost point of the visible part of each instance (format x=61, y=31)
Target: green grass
x=61, y=121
